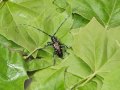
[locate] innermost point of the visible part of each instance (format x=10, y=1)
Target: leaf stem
x=78, y=83
x=32, y=52
x=84, y=81
x=35, y=51
x=91, y=77
x=110, y=16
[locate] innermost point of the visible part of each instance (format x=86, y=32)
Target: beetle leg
x=49, y=43
x=65, y=48
x=63, y=45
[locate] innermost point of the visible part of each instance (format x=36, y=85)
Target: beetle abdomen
x=59, y=53
x=58, y=49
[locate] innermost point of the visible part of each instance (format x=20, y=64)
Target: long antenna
x=37, y=29
x=61, y=25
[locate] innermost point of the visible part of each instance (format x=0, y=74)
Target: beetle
x=55, y=43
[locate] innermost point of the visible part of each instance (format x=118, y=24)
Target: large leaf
x=75, y=66
x=15, y=13
x=98, y=50
x=8, y=26
x=40, y=63
x=106, y=11
x=9, y=44
x=79, y=21
x=48, y=79
x=112, y=81
x=12, y=72
x=94, y=62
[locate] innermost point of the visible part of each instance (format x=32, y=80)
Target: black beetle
x=55, y=43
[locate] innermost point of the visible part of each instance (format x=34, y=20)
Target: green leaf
x=9, y=27
x=12, y=70
x=106, y=12
x=41, y=62
x=9, y=44
x=91, y=46
x=89, y=86
x=75, y=65
x=70, y=80
x=62, y=4
x=93, y=60
x=98, y=50
x=48, y=79
x=112, y=81
x=79, y=21
x=15, y=13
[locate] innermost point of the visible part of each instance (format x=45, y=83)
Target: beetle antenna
x=61, y=25
x=37, y=29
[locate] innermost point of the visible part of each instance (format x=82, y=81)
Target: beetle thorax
x=54, y=39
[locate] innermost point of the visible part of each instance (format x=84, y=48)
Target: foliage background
x=91, y=30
